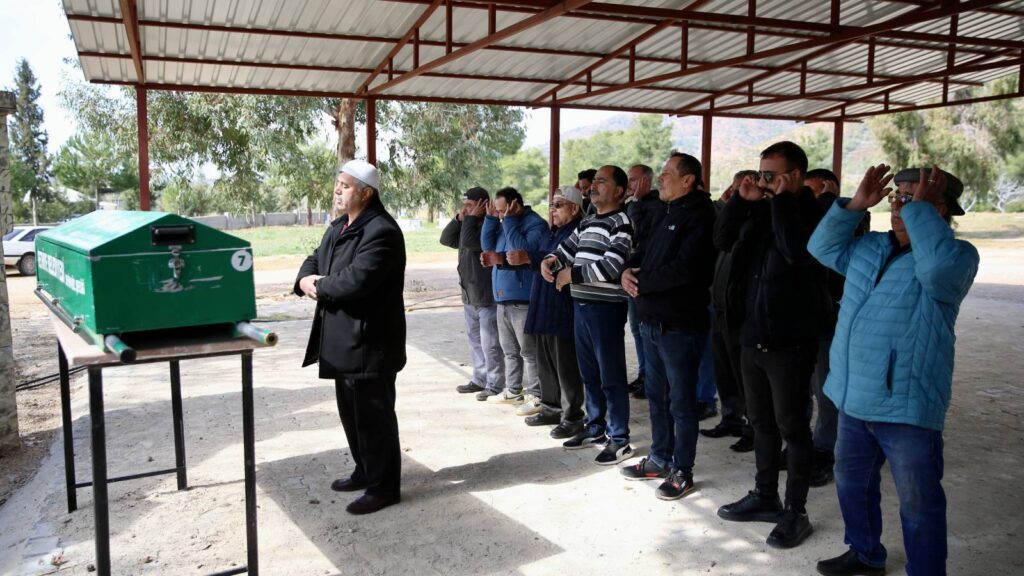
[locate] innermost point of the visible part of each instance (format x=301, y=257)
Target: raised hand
x=872, y=188
x=749, y=190
x=932, y=188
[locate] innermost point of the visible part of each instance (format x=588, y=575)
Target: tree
x=440, y=150
x=29, y=141
x=307, y=175
x=89, y=162
x=818, y=146
x=648, y=141
x=526, y=171
x=1007, y=192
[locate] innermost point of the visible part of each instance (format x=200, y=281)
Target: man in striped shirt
x=590, y=262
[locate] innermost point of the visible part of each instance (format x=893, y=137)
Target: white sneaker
x=506, y=397
x=530, y=406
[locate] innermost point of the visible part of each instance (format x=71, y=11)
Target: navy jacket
x=550, y=311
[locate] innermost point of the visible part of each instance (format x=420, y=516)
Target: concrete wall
x=265, y=219
x=8, y=403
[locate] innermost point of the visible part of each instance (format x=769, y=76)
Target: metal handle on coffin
x=107, y=343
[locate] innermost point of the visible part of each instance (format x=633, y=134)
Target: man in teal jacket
x=892, y=360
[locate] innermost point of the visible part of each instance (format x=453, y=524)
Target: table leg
x=249, y=447
x=69, y=434
x=179, y=425
x=99, y=471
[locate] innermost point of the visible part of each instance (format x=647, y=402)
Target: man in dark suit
x=356, y=277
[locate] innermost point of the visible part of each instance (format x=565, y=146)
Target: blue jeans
x=706, y=388
x=915, y=458
x=601, y=355
x=484, y=349
x=634, y=327
x=673, y=364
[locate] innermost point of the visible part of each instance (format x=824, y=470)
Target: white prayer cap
x=364, y=171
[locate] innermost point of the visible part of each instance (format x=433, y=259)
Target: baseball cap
x=570, y=193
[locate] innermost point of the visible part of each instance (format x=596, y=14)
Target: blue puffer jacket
x=892, y=355
x=524, y=232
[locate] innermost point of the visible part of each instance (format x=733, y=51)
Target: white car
x=20, y=248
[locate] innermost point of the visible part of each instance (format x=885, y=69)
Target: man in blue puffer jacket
x=511, y=227
x=892, y=360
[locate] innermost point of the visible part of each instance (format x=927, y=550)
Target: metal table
x=73, y=352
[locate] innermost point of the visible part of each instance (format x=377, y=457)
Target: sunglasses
x=561, y=204
x=900, y=199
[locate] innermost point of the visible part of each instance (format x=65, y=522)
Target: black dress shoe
x=544, y=418
x=469, y=388
x=848, y=565
x=744, y=444
x=754, y=507
x=706, y=410
x=793, y=528
x=346, y=485
x=822, y=469
x=636, y=385
x=721, y=430
x=368, y=503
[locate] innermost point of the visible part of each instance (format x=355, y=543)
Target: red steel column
x=705, y=149
x=371, y=131
x=837, y=150
x=143, y=119
x=553, y=152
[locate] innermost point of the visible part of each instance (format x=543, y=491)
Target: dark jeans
x=778, y=399
x=706, y=376
x=915, y=459
x=828, y=416
x=634, y=328
x=367, y=410
x=673, y=364
x=561, y=388
x=725, y=348
x=601, y=354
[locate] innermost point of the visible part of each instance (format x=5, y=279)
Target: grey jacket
x=474, y=279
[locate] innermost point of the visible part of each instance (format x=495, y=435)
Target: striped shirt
x=597, y=252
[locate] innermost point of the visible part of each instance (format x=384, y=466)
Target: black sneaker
x=706, y=410
x=675, y=487
x=848, y=565
x=754, y=507
x=744, y=444
x=784, y=459
x=483, y=395
x=646, y=469
x=584, y=439
x=636, y=385
x=566, y=430
x=822, y=469
x=469, y=388
x=614, y=453
x=721, y=430
x=793, y=528
x=543, y=418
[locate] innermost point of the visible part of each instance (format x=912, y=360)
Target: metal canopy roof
x=783, y=59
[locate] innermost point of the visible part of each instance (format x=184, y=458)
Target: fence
x=226, y=222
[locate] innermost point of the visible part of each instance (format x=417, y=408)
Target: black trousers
x=561, y=387
x=725, y=349
x=778, y=399
x=367, y=409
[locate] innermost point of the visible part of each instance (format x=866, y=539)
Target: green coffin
x=121, y=271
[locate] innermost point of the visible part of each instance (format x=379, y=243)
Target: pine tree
x=29, y=139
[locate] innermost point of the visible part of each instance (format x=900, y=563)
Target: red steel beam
x=441, y=44
x=554, y=146
x=705, y=149
x=962, y=69
x=130, y=20
x=837, y=150
x=858, y=116
x=630, y=45
x=142, y=117
x=371, y=131
x=555, y=11
x=452, y=75
x=401, y=43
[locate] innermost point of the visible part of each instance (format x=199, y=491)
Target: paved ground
x=482, y=493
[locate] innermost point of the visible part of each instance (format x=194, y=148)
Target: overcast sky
x=37, y=31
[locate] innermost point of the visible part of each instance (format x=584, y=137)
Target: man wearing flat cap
x=356, y=277
x=892, y=360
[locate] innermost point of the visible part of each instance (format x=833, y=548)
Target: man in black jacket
x=645, y=210
x=669, y=279
x=478, y=306
x=356, y=277
x=768, y=223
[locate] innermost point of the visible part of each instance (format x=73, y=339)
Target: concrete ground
x=482, y=493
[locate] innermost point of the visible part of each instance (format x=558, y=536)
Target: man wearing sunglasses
x=892, y=360
x=767, y=224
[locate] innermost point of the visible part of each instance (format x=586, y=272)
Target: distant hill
x=737, y=142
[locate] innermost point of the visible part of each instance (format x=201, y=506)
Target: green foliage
x=976, y=142
x=527, y=171
x=29, y=141
x=440, y=150
x=818, y=146
x=648, y=141
x=306, y=173
x=90, y=160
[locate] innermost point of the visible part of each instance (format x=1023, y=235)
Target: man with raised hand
x=892, y=360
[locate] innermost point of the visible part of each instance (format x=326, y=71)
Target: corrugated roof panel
x=231, y=76
x=106, y=8
x=868, y=12
x=108, y=69
x=99, y=37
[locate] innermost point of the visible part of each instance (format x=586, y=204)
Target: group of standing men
x=763, y=270
x=546, y=305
